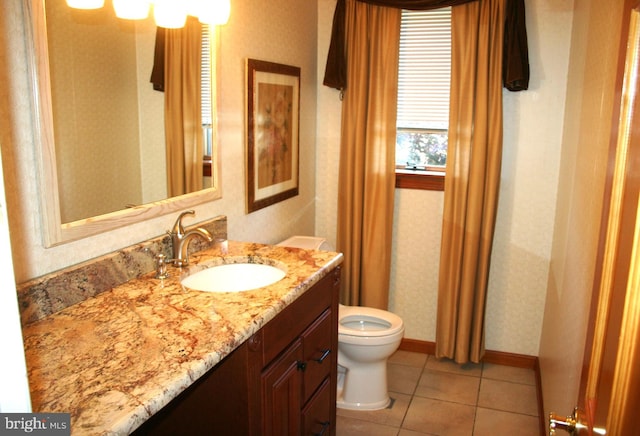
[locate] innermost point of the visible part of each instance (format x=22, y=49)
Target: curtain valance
x=515, y=62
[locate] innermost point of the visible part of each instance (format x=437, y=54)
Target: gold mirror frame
x=54, y=230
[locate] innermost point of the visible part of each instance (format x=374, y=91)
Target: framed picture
x=273, y=118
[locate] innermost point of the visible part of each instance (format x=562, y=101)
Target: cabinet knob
x=302, y=366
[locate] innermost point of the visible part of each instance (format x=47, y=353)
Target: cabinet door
x=282, y=393
x=317, y=419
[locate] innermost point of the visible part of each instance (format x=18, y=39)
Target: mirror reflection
x=108, y=121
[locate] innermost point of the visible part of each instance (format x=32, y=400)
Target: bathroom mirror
x=124, y=147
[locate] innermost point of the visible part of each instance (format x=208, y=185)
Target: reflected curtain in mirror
x=183, y=117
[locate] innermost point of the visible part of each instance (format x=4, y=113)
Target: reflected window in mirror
x=206, y=68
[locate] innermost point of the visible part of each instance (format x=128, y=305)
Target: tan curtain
x=183, y=125
x=367, y=155
x=472, y=178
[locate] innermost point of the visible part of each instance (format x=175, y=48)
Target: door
x=610, y=384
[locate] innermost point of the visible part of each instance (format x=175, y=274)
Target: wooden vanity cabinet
x=282, y=381
x=296, y=387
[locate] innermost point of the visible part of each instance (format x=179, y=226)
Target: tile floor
x=433, y=397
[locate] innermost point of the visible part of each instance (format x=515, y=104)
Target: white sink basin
x=233, y=277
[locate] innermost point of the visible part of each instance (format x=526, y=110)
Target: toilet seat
x=367, y=322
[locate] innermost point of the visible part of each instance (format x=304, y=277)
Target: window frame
x=429, y=178
x=420, y=179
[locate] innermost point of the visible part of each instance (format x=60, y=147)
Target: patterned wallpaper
x=153, y=168
x=277, y=31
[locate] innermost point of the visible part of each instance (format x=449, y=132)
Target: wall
x=289, y=36
x=14, y=395
x=532, y=144
x=329, y=114
x=93, y=90
x=585, y=146
x=153, y=162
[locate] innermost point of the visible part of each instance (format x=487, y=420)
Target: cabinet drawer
x=282, y=330
x=318, y=353
x=316, y=416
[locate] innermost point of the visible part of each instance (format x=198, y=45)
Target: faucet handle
x=178, y=228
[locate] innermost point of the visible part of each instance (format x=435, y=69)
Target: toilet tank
x=307, y=243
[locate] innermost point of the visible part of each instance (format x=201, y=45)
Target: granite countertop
x=115, y=359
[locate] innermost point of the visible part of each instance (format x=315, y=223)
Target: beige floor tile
x=402, y=378
x=509, y=397
x=356, y=427
x=444, y=400
x=448, y=387
x=446, y=365
x=509, y=373
x=405, y=432
x=492, y=422
x=408, y=358
x=439, y=417
x=392, y=417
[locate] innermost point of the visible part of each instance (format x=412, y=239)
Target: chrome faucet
x=180, y=239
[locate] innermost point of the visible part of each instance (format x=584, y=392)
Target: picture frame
x=273, y=119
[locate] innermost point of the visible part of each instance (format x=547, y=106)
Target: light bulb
x=214, y=12
x=85, y=4
x=169, y=13
x=193, y=7
x=131, y=9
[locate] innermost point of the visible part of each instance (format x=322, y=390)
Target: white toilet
x=366, y=339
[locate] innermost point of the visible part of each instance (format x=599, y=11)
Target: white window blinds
x=424, y=69
x=205, y=71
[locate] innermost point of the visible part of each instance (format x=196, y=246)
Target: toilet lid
x=367, y=321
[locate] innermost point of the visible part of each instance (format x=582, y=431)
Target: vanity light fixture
x=214, y=12
x=167, y=13
x=132, y=9
x=85, y=4
x=171, y=14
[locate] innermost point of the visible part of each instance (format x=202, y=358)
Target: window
x=423, y=98
x=206, y=93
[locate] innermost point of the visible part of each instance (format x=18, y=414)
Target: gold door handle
x=571, y=424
